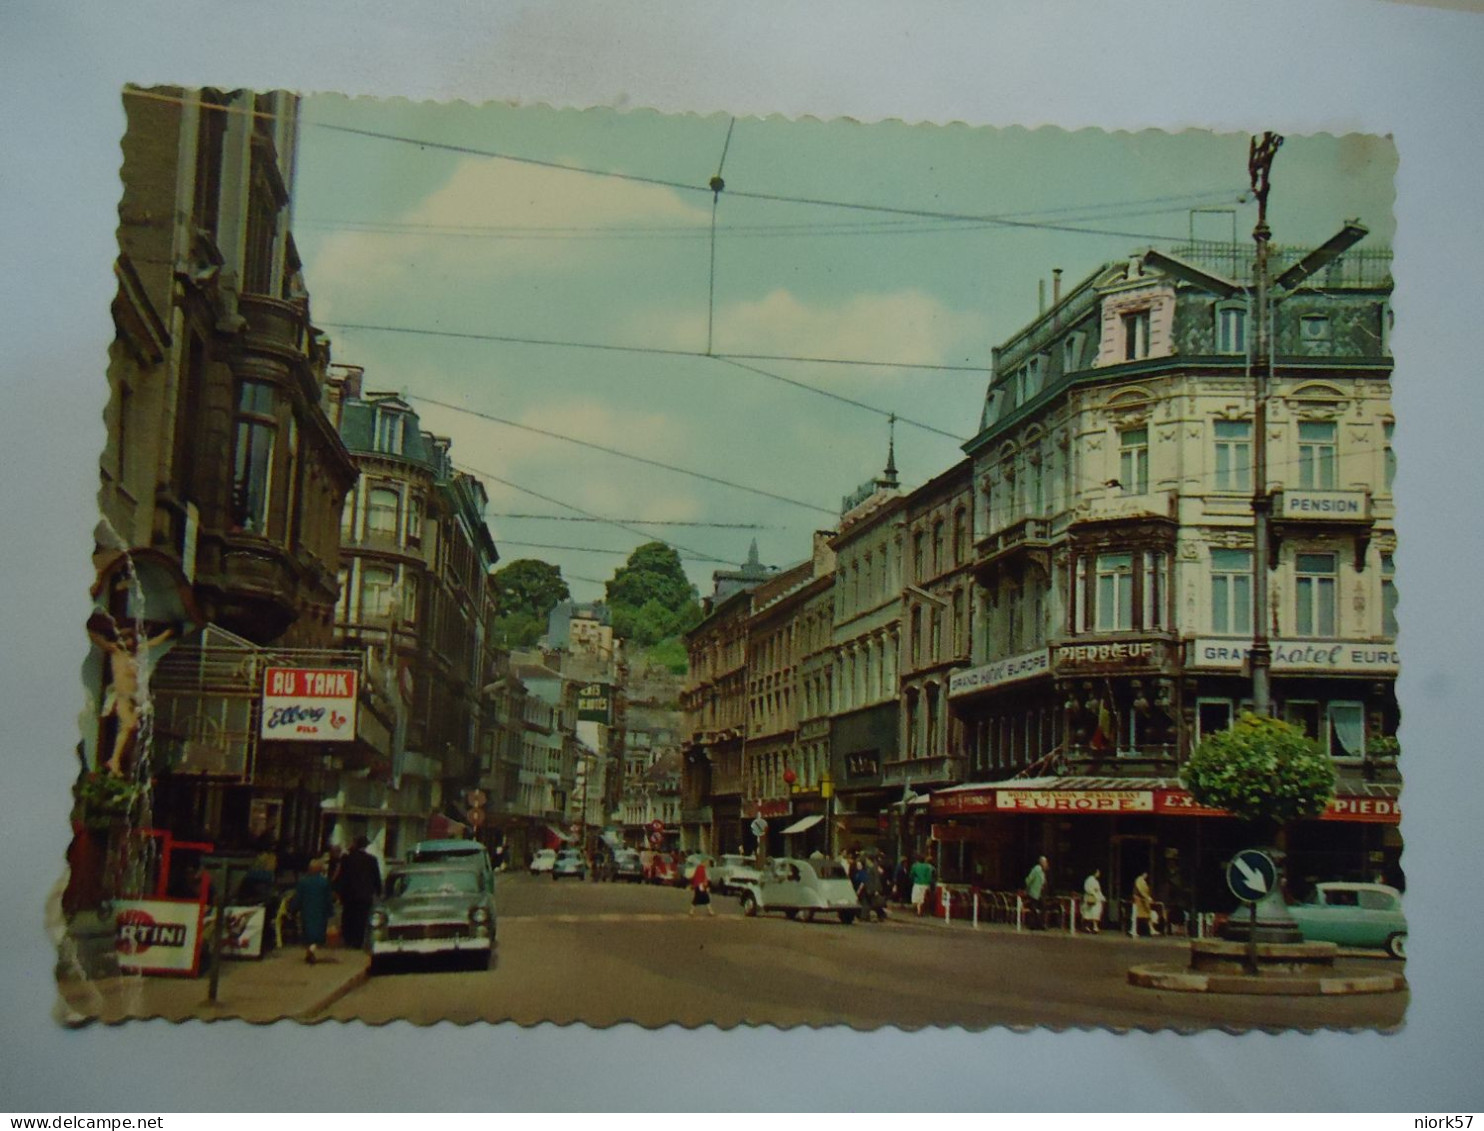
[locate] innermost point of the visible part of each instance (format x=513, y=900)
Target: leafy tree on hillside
x=650, y=597
x=527, y=591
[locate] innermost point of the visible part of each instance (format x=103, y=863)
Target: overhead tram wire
x=639, y=521
x=730, y=360
x=586, y=514
x=593, y=550
x=777, y=198
x=514, y=339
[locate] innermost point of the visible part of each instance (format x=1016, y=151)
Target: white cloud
x=908, y=325
x=531, y=206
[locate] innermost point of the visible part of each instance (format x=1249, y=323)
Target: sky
x=907, y=251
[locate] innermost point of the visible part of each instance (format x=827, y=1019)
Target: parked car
x=1361, y=915
x=801, y=887
x=433, y=909
x=569, y=862
x=469, y=852
x=694, y=860
x=543, y=861
x=626, y=866
x=731, y=872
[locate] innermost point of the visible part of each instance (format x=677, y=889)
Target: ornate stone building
x=1113, y=518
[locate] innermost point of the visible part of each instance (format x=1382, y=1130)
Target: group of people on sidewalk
x=354, y=878
x=1093, y=905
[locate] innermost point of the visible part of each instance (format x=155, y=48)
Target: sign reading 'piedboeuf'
x=309, y=704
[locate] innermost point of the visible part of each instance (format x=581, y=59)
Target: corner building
x=1113, y=554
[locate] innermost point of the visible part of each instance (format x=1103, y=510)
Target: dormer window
x=1231, y=328
x=1135, y=335
x=390, y=431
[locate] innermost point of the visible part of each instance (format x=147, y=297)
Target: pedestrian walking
x=700, y=890
x=1143, y=901
x=867, y=880
x=360, y=884
x=1035, y=889
x=316, y=903
x=921, y=874
x=1093, y=902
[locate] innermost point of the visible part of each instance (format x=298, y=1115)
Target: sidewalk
x=281, y=985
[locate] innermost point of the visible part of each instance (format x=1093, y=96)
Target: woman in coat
x=1143, y=905
x=1093, y=902
x=700, y=890
x=316, y=904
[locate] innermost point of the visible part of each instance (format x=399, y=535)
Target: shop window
x=1231, y=592
x=1115, y=592
x=1233, y=455
x=1133, y=461
x=1315, y=582
x=1317, y=454
x=252, y=477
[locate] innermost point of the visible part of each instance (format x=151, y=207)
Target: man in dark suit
x=360, y=884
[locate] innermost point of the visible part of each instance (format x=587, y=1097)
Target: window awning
x=559, y=834
x=803, y=825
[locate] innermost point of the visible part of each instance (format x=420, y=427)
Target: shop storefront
x=989, y=834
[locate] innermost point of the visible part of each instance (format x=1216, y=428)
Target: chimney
x=1040, y=297
x=1056, y=295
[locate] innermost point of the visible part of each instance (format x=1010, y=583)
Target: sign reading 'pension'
x=309, y=704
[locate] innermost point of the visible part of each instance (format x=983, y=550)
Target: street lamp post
x=1259, y=166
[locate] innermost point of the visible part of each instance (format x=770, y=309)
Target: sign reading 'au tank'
x=309, y=704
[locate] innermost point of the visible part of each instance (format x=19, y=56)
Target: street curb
x=355, y=981
x=1184, y=980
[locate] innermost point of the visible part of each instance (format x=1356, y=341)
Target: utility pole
x=1259, y=167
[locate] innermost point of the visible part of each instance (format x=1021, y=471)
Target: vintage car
x=1350, y=914
x=469, y=852
x=445, y=908
x=796, y=887
x=543, y=861
x=730, y=872
x=626, y=866
x=569, y=862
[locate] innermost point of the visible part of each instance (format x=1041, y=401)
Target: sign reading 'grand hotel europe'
x=1340, y=656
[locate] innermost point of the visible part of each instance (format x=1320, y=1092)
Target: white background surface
x=1295, y=67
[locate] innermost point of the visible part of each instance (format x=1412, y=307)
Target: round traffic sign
x=1251, y=875
x=656, y=826
x=759, y=826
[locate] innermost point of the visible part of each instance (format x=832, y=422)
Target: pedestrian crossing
x=609, y=917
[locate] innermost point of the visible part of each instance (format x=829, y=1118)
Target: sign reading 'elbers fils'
x=309, y=704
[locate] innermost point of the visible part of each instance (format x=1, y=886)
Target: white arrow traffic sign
x=1251, y=875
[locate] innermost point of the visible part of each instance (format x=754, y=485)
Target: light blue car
x=1358, y=915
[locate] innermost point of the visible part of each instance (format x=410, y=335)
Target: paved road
x=607, y=953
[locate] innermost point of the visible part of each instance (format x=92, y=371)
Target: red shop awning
x=1354, y=801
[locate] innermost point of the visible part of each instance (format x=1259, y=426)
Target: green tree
x=527, y=591
x=652, y=573
x=1262, y=770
